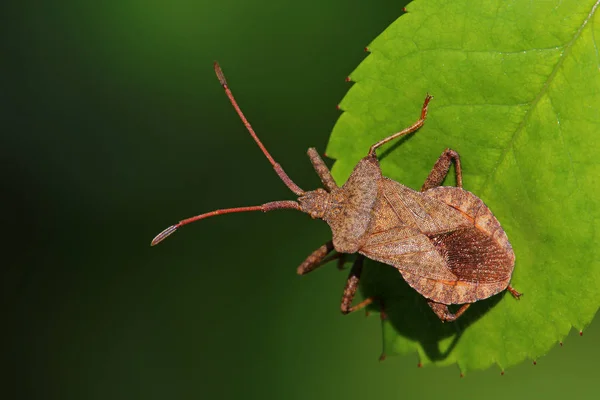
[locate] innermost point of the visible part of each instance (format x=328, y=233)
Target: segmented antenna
x=274, y=205
x=278, y=170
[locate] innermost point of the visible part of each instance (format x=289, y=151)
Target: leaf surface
x=516, y=88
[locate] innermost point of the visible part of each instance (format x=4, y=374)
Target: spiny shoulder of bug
x=354, y=198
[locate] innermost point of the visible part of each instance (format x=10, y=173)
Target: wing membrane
x=408, y=250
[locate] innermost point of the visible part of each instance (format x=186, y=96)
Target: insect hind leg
x=517, y=295
x=443, y=313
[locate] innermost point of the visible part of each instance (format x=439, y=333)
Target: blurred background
x=113, y=126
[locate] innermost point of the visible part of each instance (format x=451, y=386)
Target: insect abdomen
x=465, y=259
x=480, y=256
x=481, y=266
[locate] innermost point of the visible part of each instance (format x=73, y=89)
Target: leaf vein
x=564, y=143
x=595, y=45
x=535, y=102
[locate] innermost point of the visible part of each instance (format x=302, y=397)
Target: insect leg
x=318, y=258
x=517, y=295
x=352, y=286
x=406, y=131
x=322, y=170
x=441, y=168
x=441, y=310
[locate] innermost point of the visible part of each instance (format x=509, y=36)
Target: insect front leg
x=443, y=313
x=322, y=170
x=352, y=286
x=319, y=257
x=441, y=168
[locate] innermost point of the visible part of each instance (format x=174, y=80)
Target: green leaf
x=516, y=88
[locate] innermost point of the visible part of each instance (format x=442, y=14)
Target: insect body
x=444, y=241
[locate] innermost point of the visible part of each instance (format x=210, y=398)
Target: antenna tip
x=220, y=74
x=164, y=234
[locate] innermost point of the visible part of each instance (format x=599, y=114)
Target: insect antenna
x=278, y=169
x=274, y=205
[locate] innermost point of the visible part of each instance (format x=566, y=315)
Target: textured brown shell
x=445, y=242
x=351, y=206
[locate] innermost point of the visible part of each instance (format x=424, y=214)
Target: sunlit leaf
x=516, y=88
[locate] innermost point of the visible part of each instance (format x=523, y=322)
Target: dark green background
x=114, y=127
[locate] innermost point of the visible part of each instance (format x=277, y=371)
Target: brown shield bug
x=444, y=240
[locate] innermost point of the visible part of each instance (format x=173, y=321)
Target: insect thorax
x=349, y=208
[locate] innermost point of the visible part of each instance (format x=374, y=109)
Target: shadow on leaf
x=411, y=317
